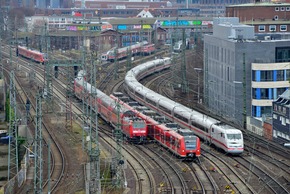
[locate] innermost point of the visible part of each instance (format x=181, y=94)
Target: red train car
x=122, y=53
x=31, y=54
x=148, y=49
x=182, y=142
x=133, y=127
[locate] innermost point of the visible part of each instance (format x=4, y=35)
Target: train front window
x=139, y=124
x=45, y=56
x=234, y=136
x=190, y=143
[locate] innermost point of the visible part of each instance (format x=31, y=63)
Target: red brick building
x=266, y=17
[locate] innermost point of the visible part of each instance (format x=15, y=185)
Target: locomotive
x=133, y=127
x=182, y=142
x=221, y=135
x=31, y=54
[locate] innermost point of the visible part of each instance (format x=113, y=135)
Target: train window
x=139, y=95
x=164, y=109
x=212, y=130
x=151, y=102
x=181, y=117
x=234, y=136
x=199, y=126
x=172, y=140
x=190, y=142
x=139, y=124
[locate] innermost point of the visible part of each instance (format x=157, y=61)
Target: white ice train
x=223, y=136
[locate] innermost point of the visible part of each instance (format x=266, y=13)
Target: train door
x=212, y=134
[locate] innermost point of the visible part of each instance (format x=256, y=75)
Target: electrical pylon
x=68, y=64
x=38, y=147
x=13, y=143
x=94, y=149
x=118, y=161
x=129, y=59
x=48, y=88
x=184, y=84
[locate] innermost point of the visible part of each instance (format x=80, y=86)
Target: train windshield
x=45, y=56
x=190, y=143
x=139, y=124
x=234, y=136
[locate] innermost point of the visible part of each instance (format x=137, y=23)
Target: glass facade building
x=243, y=75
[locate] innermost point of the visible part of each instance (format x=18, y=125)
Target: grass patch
x=76, y=128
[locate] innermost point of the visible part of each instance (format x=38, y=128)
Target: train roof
x=103, y=97
x=228, y=128
x=30, y=50
x=182, y=110
x=124, y=49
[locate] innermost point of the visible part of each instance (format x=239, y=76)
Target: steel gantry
x=93, y=148
x=13, y=135
x=38, y=147
x=68, y=64
x=118, y=161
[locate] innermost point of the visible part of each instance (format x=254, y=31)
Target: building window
x=283, y=120
x=287, y=8
x=274, y=116
x=261, y=28
x=276, y=17
x=283, y=28
x=277, y=9
x=283, y=55
x=282, y=8
x=272, y=28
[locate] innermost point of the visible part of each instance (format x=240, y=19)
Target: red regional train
x=121, y=53
x=182, y=142
x=133, y=127
x=31, y=54
x=148, y=49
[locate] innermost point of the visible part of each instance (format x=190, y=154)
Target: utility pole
x=13, y=143
x=129, y=59
x=85, y=106
x=48, y=88
x=184, y=85
x=116, y=64
x=94, y=149
x=118, y=161
x=68, y=65
x=83, y=4
x=38, y=147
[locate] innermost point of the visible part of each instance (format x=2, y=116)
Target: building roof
x=262, y=4
x=266, y=22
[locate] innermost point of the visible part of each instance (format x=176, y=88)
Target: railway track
x=142, y=176
x=57, y=156
x=269, y=181
x=56, y=184
x=280, y=182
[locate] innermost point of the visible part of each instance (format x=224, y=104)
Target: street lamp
x=198, y=70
